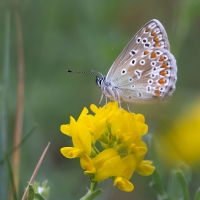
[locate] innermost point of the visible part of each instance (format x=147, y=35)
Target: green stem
x=4, y=122
x=95, y=149
x=183, y=184
x=92, y=193
x=93, y=186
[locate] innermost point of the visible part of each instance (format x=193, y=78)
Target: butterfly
x=144, y=71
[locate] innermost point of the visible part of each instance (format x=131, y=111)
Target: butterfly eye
x=123, y=72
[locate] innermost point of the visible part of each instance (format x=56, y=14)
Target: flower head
x=183, y=139
x=109, y=144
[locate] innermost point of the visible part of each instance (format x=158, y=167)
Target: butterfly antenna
x=92, y=72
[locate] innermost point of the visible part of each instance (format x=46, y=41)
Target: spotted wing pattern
x=145, y=69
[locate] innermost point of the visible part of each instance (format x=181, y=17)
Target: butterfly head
x=100, y=80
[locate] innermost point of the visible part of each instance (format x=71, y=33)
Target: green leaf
x=39, y=197
x=197, y=194
x=178, y=188
x=43, y=190
x=20, y=144
x=4, y=91
x=156, y=184
x=11, y=177
x=174, y=187
x=183, y=184
x=91, y=195
x=31, y=193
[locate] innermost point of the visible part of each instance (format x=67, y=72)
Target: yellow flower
x=109, y=144
x=182, y=142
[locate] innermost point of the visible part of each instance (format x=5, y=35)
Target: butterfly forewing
x=151, y=35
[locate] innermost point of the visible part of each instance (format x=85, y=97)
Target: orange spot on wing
x=146, y=52
x=161, y=58
x=147, y=29
x=157, y=45
x=164, y=65
x=153, y=33
x=163, y=73
x=156, y=39
x=157, y=93
x=161, y=81
x=153, y=54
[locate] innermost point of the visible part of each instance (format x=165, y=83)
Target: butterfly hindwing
x=149, y=74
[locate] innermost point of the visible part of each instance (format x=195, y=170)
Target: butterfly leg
x=118, y=99
x=128, y=107
x=101, y=99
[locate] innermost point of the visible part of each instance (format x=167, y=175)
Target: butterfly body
x=145, y=70
x=109, y=89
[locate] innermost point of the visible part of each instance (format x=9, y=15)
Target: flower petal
x=94, y=108
x=99, y=128
x=81, y=136
x=65, y=128
x=71, y=152
x=124, y=167
x=104, y=163
x=145, y=168
x=86, y=164
x=123, y=184
x=83, y=114
x=104, y=170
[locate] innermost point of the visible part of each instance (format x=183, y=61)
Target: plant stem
x=20, y=94
x=93, y=186
x=4, y=110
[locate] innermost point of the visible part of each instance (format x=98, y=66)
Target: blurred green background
x=84, y=35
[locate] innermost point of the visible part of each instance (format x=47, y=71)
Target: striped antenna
x=92, y=72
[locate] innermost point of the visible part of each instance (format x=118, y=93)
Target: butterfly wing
x=147, y=75
x=151, y=35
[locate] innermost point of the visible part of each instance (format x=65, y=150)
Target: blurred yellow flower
x=182, y=142
x=109, y=144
